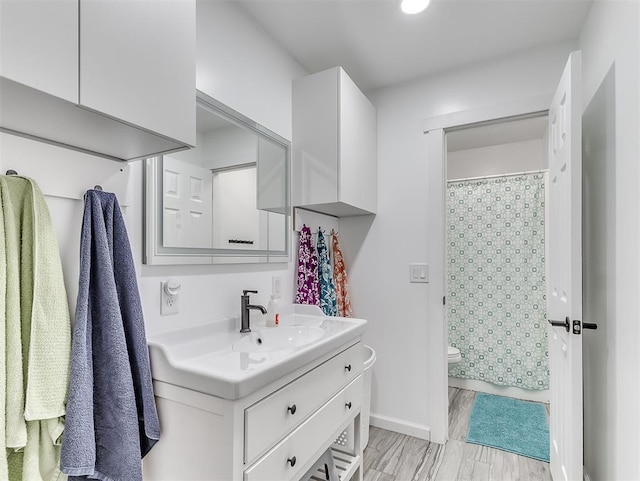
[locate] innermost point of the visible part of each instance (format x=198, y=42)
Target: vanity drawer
x=289, y=459
x=270, y=419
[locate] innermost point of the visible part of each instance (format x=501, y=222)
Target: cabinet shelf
x=346, y=465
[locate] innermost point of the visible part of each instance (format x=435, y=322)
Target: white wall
x=508, y=158
x=610, y=43
x=381, y=248
x=242, y=67
x=237, y=64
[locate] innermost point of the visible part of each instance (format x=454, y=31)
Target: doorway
x=564, y=269
x=495, y=206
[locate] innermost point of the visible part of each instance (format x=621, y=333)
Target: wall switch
x=276, y=286
x=419, y=273
x=169, y=297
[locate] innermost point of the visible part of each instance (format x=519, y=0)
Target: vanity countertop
x=205, y=357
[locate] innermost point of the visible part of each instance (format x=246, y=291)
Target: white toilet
x=453, y=356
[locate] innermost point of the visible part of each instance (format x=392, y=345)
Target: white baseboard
x=508, y=391
x=400, y=426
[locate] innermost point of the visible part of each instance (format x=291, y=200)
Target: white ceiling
x=379, y=46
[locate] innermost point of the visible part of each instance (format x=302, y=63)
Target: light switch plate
x=276, y=286
x=419, y=273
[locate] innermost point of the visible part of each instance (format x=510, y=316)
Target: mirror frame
x=156, y=254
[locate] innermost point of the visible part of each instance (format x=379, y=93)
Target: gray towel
x=111, y=420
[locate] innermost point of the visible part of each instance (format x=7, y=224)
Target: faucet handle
x=244, y=293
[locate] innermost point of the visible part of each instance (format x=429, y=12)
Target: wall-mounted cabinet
x=334, y=164
x=116, y=79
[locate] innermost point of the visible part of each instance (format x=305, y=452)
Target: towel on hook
x=340, y=279
x=325, y=273
x=307, y=291
x=35, y=337
x=111, y=413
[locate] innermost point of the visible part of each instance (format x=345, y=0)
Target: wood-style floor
x=391, y=456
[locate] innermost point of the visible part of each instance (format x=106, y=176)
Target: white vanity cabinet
x=274, y=434
x=334, y=166
x=115, y=79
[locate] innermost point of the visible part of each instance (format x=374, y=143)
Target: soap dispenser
x=273, y=311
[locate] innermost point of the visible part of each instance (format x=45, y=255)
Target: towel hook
x=97, y=187
x=11, y=172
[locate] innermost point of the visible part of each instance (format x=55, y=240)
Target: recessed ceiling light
x=411, y=7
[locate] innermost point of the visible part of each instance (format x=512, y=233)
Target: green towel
x=36, y=335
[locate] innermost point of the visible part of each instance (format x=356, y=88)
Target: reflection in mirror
x=226, y=198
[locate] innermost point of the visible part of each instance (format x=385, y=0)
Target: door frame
x=434, y=129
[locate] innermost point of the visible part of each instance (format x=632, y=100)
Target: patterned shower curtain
x=496, y=280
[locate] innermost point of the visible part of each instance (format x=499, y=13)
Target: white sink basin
x=214, y=358
x=277, y=338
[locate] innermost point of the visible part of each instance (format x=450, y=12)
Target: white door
x=186, y=204
x=564, y=284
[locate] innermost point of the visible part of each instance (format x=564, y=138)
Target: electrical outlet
x=169, y=297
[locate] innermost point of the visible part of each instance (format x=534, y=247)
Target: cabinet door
x=137, y=63
x=358, y=149
x=39, y=45
x=315, y=139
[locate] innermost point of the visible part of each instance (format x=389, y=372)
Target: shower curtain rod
x=497, y=176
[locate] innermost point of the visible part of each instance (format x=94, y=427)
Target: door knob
x=566, y=323
x=577, y=325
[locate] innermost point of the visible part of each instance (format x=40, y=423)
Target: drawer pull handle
x=292, y=461
x=348, y=404
x=292, y=409
x=348, y=367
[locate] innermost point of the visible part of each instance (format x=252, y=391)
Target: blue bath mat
x=512, y=425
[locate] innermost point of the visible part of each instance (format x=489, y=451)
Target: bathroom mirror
x=225, y=201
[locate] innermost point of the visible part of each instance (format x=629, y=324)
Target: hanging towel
x=111, y=413
x=307, y=288
x=340, y=279
x=35, y=337
x=325, y=273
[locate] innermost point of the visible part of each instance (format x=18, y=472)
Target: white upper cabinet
x=39, y=45
x=115, y=79
x=137, y=63
x=334, y=166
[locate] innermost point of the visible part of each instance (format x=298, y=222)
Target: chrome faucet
x=245, y=307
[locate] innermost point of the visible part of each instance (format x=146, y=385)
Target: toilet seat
x=453, y=354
